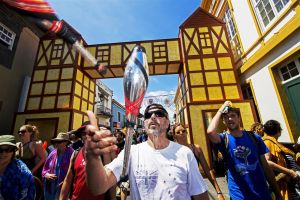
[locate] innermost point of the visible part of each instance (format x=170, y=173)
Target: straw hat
x=61, y=137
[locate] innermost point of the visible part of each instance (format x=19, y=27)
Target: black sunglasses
x=59, y=142
x=158, y=113
x=22, y=132
x=7, y=150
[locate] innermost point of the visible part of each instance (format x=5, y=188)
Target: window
x=290, y=70
x=119, y=116
x=235, y=44
x=267, y=10
x=57, y=51
x=229, y=24
x=7, y=37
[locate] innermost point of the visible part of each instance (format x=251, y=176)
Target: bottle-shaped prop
x=135, y=85
x=226, y=109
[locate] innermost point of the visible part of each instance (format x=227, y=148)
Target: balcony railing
x=103, y=110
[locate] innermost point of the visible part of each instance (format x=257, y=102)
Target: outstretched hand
x=98, y=141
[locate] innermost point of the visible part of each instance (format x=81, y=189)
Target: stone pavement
x=223, y=185
x=211, y=190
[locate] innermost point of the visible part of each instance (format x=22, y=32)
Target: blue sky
x=109, y=21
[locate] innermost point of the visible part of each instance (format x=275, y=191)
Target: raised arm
x=68, y=182
x=212, y=128
x=98, y=142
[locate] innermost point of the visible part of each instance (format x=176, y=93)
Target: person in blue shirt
x=244, y=154
x=16, y=180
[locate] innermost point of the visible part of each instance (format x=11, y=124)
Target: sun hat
x=8, y=140
x=61, y=137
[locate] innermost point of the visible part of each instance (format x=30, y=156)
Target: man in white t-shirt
x=158, y=168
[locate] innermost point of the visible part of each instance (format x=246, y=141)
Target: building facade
x=264, y=36
x=118, y=119
x=103, y=104
x=19, y=40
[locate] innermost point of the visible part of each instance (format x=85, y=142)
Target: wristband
x=219, y=193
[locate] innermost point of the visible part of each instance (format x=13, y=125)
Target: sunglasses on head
x=158, y=113
x=7, y=150
x=22, y=132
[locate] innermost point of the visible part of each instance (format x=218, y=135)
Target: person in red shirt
x=75, y=180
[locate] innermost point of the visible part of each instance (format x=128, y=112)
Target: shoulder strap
x=226, y=140
x=73, y=160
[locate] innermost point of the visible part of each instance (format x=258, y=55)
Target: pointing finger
x=92, y=119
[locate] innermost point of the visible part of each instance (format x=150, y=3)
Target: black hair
x=272, y=127
x=156, y=106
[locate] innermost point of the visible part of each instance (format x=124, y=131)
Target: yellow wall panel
x=77, y=120
x=67, y=73
x=51, y=88
x=85, y=118
x=203, y=29
x=90, y=107
x=173, y=51
x=76, y=103
x=33, y=103
x=148, y=47
x=209, y=63
x=207, y=51
x=65, y=87
x=194, y=64
x=228, y=77
x=193, y=51
x=92, y=85
x=214, y=40
x=58, y=41
x=196, y=79
x=36, y=89
x=224, y=39
x=91, y=97
x=215, y=93
x=42, y=62
x=39, y=75
x=159, y=43
x=231, y=92
x=83, y=106
x=225, y=63
x=85, y=93
x=186, y=41
x=78, y=89
x=48, y=103
x=221, y=49
x=217, y=29
x=199, y=94
x=212, y=78
x=79, y=76
x=55, y=61
x=63, y=120
x=115, y=55
x=63, y=101
x=53, y=74
x=160, y=59
x=68, y=58
x=86, y=81
x=92, y=50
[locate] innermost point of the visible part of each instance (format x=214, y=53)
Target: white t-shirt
x=169, y=173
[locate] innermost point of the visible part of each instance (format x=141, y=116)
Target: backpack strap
x=73, y=160
x=226, y=141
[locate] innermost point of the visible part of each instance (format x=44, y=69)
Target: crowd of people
x=87, y=163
